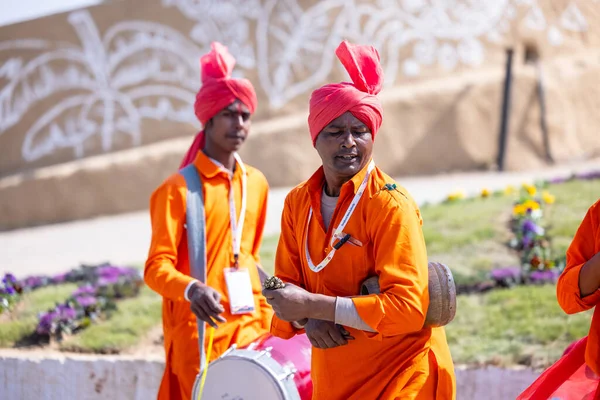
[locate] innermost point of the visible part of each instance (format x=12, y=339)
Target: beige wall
x=87, y=85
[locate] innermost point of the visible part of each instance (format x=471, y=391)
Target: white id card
x=239, y=289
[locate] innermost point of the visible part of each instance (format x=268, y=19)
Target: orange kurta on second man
x=167, y=269
x=585, y=245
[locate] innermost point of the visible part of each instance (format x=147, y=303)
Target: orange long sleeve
x=287, y=267
x=400, y=260
x=387, y=242
x=585, y=245
x=167, y=214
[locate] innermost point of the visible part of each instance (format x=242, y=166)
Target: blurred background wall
x=96, y=104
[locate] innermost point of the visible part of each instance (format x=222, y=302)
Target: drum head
x=239, y=376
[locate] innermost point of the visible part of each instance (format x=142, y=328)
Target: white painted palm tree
x=143, y=70
x=107, y=85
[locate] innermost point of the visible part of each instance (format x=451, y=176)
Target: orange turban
x=359, y=97
x=218, y=91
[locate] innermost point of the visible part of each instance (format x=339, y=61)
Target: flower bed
x=539, y=262
x=101, y=286
x=531, y=241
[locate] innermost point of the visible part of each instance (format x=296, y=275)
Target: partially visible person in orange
x=224, y=106
x=578, y=287
x=578, y=290
x=348, y=222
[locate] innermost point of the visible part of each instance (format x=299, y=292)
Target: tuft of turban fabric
x=359, y=97
x=218, y=91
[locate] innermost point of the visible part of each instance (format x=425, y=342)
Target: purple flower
x=529, y=226
x=60, y=278
x=10, y=290
x=108, y=280
x=84, y=290
x=527, y=241
x=66, y=312
x=9, y=279
x=108, y=271
x=544, y=276
x=558, y=180
x=588, y=175
x=507, y=272
x=63, y=313
x=86, y=301
x=33, y=282
x=46, y=321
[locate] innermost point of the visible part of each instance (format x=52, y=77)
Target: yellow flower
x=459, y=194
x=485, y=192
x=530, y=189
x=548, y=198
x=531, y=204
x=519, y=209
x=509, y=190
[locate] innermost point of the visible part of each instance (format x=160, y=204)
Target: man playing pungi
x=235, y=197
x=348, y=222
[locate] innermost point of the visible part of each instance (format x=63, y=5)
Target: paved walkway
x=124, y=238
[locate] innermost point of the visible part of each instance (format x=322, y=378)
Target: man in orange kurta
x=224, y=106
x=578, y=290
x=349, y=222
x=578, y=286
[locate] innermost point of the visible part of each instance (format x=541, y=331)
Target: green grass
x=132, y=320
x=469, y=236
x=267, y=253
x=520, y=326
x=523, y=325
x=22, y=321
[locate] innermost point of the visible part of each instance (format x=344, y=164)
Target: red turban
x=218, y=91
x=359, y=97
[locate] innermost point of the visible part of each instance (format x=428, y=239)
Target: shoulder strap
x=196, y=237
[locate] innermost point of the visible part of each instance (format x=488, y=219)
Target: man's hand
x=292, y=303
x=206, y=304
x=325, y=334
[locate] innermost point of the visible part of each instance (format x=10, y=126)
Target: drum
x=442, y=294
x=268, y=369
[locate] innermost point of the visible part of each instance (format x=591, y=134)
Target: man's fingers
x=327, y=340
x=201, y=314
x=320, y=342
x=222, y=320
x=208, y=310
x=345, y=333
x=213, y=303
x=313, y=341
x=336, y=337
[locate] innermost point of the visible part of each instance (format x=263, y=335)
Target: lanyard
x=236, y=226
x=337, y=232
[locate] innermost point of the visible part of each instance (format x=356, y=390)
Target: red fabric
x=359, y=97
x=196, y=146
x=567, y=379
x=218, y=91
